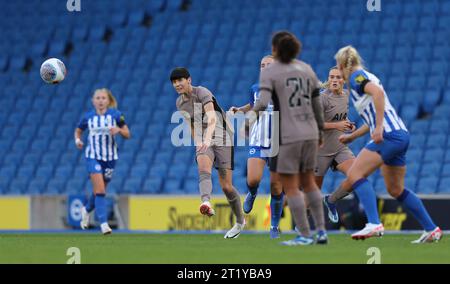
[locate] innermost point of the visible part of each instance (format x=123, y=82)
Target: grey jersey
x=335, y=108
x=193, y=106
x=291, y=87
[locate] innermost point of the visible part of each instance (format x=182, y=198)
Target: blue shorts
x=393, y=149
x=101, y=167
x=255, y=152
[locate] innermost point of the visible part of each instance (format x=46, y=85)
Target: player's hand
x=234, y=109
x=114, y=130
x=346, y=138
x=203, y=146
x=344, y=125
x=353, y=127
x=321, y=141
x=79, y=143
x=377, y=135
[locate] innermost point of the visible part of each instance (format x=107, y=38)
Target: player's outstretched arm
x=244, y=109
x=348, y=138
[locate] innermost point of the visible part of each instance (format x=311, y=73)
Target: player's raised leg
x=394, y=177
x=204, y=162
x=366, y=163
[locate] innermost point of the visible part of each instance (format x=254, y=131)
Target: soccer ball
x=53, y=71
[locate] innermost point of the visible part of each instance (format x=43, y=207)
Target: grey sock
x=298, y=211
x=314, y=201
x=235, y=203
x=338, y=194
x=205, y=185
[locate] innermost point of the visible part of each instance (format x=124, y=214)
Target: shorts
x=295, y=157
x=255, y=152
x=393, y=148
x=222, y=156
x=101, y=167
x=326, y=162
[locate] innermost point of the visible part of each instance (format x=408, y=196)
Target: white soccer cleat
x=370, y=230
x=84, y=224
x=206, y=209
x=429, y=237
x=235, y=231
x=106, y=230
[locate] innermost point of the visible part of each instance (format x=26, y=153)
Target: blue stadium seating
x=130, y=47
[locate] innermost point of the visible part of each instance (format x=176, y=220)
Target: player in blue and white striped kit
x=103, y=123
x=387, y=149
x=259, y=145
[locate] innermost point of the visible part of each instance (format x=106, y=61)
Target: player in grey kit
x=295, y=91
x=212, y=141
x=333, y=154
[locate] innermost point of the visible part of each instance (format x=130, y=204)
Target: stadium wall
x=180, y=213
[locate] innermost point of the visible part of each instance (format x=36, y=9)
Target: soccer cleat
x=322, y=238
x=206, y=209
x=332, y=212
x=429, y=237
x=248, y=202
x=106, y=230
x=299, y=241
x=234, y=232
x=275, y=232
x=84, y=224
x=370, y=230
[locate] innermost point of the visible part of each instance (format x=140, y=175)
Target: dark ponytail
x=287, y=46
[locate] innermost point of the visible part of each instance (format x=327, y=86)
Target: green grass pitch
x=212, y=249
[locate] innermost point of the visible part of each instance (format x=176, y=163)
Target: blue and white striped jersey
x=365, y=106
x=260, y=133
x=101, y=144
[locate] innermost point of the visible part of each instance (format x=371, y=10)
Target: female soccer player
x=213, y=140
x=103, y=123
x=387, y=149
x=294, y=89
x=260, y=140
x=334, y=154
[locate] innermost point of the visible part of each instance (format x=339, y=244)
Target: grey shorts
x=295, y=157
x=326, y=162
x=222, y=156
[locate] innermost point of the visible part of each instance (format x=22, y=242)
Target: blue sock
x=276, y=207
x=415, y=206
x=100, y=208
x=368, y=199
x=253, y=190
x=90, y=204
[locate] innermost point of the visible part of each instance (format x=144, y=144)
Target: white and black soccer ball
x=53, y=71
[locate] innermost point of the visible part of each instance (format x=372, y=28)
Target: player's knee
x=395, y=191
x=228, y=187
x=253, y=182
x=276, y=188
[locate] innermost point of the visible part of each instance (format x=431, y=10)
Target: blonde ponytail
x=347, y=58
x=111, y=98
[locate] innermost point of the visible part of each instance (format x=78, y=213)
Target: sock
x=276, y=207
x=297, y=206
x=338, y=194
x=90, y=204
x=368, y=199
x=100, y=208
x=315, y=204
x=415, y=206
x=205, y=186
x=235, y=203
x=253, y=190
